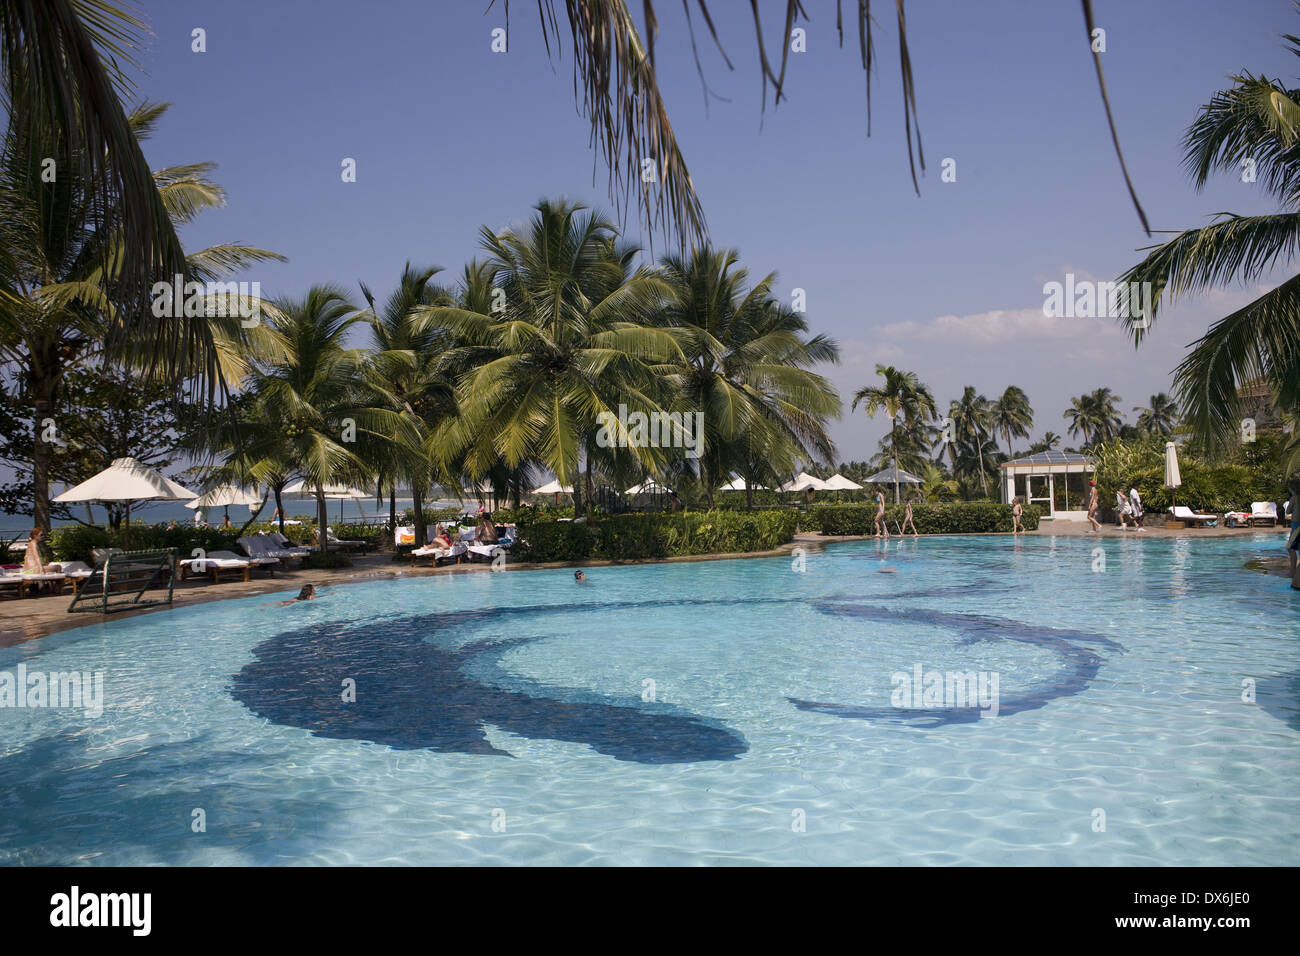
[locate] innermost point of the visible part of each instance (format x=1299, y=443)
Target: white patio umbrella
x=553, y=488
x=806, y=482
x=649, y=487
x=738, y=484
x=127, y=480
x=339, y=493
x=225, y=496
x=838, y=482
x=1172, y=478
x=894, y=476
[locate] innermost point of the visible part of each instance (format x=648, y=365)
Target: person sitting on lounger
x=33, y=559
x=487, y=531
x=442, y=537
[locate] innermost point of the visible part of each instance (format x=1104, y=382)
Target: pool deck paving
x=27, y=619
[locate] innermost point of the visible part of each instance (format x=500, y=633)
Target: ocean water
x=1147, y=704
x=162, y=512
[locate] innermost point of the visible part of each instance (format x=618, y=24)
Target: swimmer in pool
x=307, y=593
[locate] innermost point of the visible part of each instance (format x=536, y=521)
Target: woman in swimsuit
x=1093, y=504
x=907, y=520
x=882, y=529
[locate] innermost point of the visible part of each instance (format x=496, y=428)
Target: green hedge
x=74, y=542
x=966, y=517
x=633, y=537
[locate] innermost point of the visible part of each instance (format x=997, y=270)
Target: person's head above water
x=307, y=593
x=579, y=576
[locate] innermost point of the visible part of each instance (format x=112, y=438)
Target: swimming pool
x=722, y=712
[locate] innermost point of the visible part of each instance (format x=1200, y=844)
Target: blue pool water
x=711, y=712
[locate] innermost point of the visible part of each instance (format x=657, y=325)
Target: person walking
x=1135, y=503
x=1093, y=505
x=1016, y=512
x=907, y=520
x=882, y=529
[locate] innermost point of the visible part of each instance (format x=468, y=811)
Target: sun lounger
x=440, y=553
x=345, y=544
x=284, y=544
x=261, y=546
x=1263, y=513
x=55, y=578
x=76, y=572
x=1195, y=519
x=215, y=563
x=16, y=581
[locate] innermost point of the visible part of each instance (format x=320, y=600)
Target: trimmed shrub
x=327, y=560
x=964, y=517
x=74, y=542
x=632, y=537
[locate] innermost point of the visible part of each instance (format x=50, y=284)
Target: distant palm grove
x=501, y=374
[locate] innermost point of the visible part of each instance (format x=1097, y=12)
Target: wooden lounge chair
x=1192, y=518
x=1263, y=513
x=215, y=564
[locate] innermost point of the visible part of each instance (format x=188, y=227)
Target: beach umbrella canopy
x=806, y=482
x=226, y=495
x=838, y=482
x=738, y=484
x=891, y=476
x=650, y=487
x=553, y=488
x=331, y=491
x=127, y=480
x=339, y=493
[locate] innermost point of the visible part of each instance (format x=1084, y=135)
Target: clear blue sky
x=449, y=136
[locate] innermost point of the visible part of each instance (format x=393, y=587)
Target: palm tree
x=902, y=394
x=1095, y=416
x=63, y=65
x=1012, y=415
x=318, y=415
x=406, y=373
x=53, y=277
x=1107, y=416
x=617, y=90
x=1159, y=417
x=972, y=422
x=568, y=345
x=745, y=366
x=1049, y=441
x=1253, y=126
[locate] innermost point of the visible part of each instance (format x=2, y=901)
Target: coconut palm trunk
x=322, y=519
x=279, y=505
x=417, y=502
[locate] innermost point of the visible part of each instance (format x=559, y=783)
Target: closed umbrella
x=127, y=480
x=1172, y=478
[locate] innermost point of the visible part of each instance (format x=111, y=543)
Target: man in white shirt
x=1135, y=502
